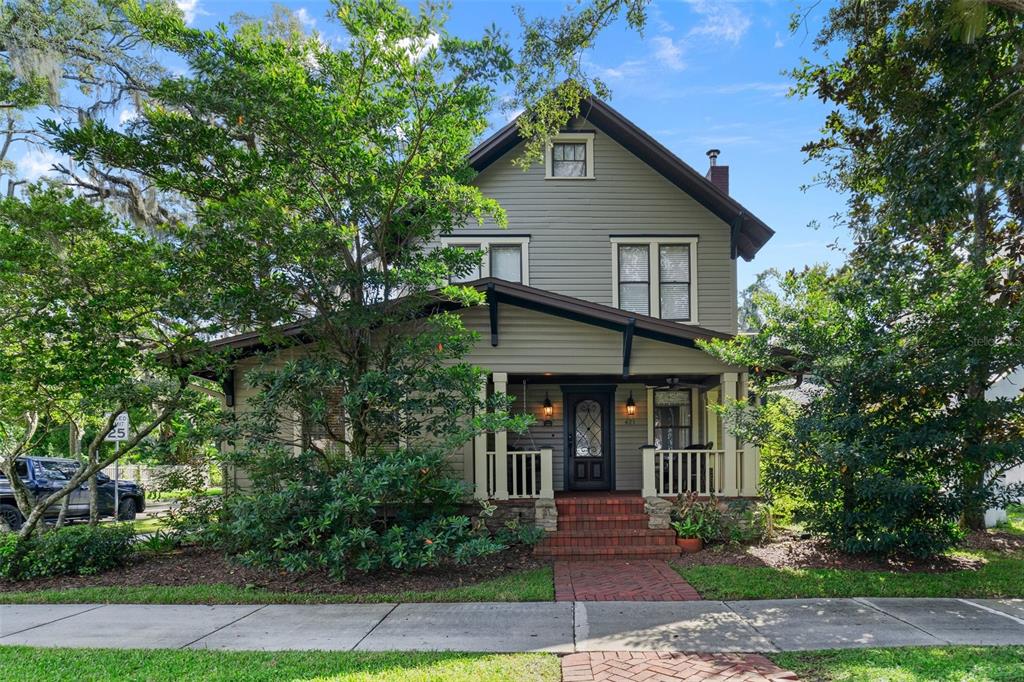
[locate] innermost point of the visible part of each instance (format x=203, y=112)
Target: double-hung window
x=505, y=257
x=635, y=278
x=656, y=276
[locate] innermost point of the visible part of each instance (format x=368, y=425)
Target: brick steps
x=605, y=527
x=617, y=537
x=625, y=552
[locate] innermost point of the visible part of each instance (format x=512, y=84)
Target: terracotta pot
x=690, y=545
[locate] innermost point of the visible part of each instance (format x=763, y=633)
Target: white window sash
x=654, y=244
x=586, y=138
x=485, y=245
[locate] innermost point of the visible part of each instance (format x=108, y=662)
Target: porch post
x=647, y=464
x=729, y=488
x=500, y=445
x=751, y=456
x=480, y=452
x=547, y=485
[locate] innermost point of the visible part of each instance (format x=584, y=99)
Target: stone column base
x=659, y=513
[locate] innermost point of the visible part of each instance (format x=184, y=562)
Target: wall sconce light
x=630, y=405
x=549, y=410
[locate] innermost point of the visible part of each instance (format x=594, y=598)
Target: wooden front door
x=589, y=438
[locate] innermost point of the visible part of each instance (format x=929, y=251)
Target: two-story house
x=618, y=257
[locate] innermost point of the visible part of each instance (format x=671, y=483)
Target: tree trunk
x=94, y=493
x=74, y=452
x=972, y=476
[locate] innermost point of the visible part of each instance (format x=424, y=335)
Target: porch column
x=751, y=455
x=647, y=466
x=547, y=485
x=500, y=444
x=480, y=451
x=729, y=488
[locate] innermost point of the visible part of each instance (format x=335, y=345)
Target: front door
x=589, y=440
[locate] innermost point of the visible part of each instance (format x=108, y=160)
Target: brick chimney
x=718, y=175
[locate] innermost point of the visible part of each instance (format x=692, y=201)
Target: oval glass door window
x=588, y=429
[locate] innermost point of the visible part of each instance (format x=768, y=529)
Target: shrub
x=72, y=550
x=392, y=509
x=748, y=522
x=695, y=518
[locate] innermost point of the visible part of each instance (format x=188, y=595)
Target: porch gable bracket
x=627, y=346
x=492, y=309
x=228, y=386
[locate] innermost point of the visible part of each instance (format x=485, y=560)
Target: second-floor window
x=655, y=277
x=505, y=258
x=570, y=156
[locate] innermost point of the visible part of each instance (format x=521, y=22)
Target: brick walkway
x=637, y=666
x=652, y=580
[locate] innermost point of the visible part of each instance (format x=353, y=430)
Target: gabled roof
x=749, y=233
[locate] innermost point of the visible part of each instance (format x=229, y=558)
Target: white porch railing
x=667, y=473
x=527, y=475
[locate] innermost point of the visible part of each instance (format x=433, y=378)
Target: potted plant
x=695, y=522
x=688, y=536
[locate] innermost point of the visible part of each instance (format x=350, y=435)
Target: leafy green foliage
x=696, y=518
x=395, y=509
x=97, y=317
x=72, y=550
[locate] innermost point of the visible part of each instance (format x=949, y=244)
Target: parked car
x=44, y=475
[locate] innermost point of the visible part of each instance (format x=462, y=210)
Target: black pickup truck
x=45, y=475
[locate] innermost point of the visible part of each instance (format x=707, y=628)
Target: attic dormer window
x=571, y=157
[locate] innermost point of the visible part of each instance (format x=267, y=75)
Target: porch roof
x=569, y=307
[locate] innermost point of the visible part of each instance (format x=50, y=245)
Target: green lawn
x=1015, y=520
x=533, y=585
x=931, y=664
x=1000, y=577
x=29, y=664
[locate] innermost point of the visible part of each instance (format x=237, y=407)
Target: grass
x=1014, y=520
x=179, y=493
x=30, y=664
x=934, y=664
x=533, y=585
x=1000, y=577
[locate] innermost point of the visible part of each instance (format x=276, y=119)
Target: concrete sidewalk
x=564, y=627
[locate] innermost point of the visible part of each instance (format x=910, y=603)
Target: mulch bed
x=791, y=551
x=199, y=566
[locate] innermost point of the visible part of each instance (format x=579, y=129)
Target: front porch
x=655, y=436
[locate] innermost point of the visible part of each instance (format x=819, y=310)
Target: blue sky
x=707, y=73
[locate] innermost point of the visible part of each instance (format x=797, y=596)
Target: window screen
x=634, y=278
x=507, y=262
x=474, y=273
x=673, y=428
x=674, y=281
x=569, y=160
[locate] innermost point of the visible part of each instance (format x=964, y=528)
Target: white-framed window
x=506, y=258
x=570, y=156
x=656, y=276
x=673, y=420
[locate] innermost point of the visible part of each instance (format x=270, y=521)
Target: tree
x=96, y=318
x=927, y=141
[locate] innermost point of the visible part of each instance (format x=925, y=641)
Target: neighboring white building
x=1009, y=386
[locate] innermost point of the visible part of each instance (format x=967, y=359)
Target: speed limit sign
x=120, y=431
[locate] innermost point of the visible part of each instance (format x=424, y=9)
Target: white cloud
x=668, y=52
x=419, y=47
x=127, y=115
x=304, y=17
x=719, y=20
x=190, y=8
x=627, y=69
x=37, y=163
x=775, y=89
x=778, y=40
